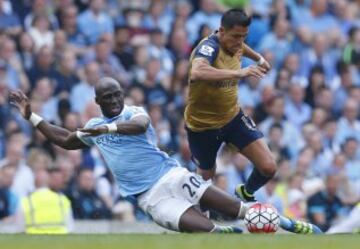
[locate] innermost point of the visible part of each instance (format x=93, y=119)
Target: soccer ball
x=262, y=218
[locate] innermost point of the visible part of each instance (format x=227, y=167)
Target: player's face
x=232, y=39
x=111, y=101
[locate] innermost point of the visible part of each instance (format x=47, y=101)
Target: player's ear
x=221, y=30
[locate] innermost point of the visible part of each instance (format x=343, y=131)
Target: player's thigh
x=168, y=212
x=241, y=132
x=172, y=195
x=204, y=146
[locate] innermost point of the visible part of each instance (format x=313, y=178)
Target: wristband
x=35, y=119
x=261, y=61
x=112, y=127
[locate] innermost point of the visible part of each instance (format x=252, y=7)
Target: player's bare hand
x=19, y=100
x=266, y=65
x=96, y=131
x=255, y=71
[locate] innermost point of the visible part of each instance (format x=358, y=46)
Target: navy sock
x=256, y=180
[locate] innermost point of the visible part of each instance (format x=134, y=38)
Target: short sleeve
x=207, y=49
x=136, y=111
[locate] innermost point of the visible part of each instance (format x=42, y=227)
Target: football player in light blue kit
x=163, y=189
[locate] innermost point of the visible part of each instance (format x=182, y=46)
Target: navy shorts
x=204, y=145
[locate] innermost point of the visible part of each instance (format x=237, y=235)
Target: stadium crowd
x=307, y=106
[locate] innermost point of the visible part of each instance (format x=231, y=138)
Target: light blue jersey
x=135, y=160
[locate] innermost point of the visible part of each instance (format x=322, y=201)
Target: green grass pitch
x=177, y=241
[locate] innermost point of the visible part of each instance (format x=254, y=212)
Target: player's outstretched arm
x=56, y=134
x=203, y=71
x=136, y=125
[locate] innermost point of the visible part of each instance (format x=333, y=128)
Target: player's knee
x=269, y=168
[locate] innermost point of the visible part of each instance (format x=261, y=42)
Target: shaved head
x=105, y=83
x=109, y=95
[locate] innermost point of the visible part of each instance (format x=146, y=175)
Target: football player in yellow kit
x=213, y=115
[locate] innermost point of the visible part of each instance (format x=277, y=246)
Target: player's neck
x=217, y=34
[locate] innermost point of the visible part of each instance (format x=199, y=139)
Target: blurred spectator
x=295, y=199
x=282, y=80
x=204, y=32
x=178, y=44
x=291, y=135
x=325, y=207
x=237, y=171
x=296, y=110
x=316, y=83
x=122, y=49
x=350, y=148
x=184, y=154
x=158, y=17
x=317, y=18
x=94, y=21
x=325, y=100
x=183, y=9
x=261, y=7
x=262, y=108
x=249, y=92
x=40, y=32
x=57, y=182
x=351, y=54
x=71, y=121
x=161, y=125
x=45, y=211
x=154, y=86
x=319, y=54
x=267, y=194
x=61, y=45
x=157, y=50
x=43, y=66
x=43, y=91
x=108, y=63
x=10, y=67
x=69, y=26
x=322, y=157
x=9, y=201
x=208, y=13
x=26, y=51
x=23, y=182
x=330, y=128
x=278, y=150
x=83, y=93
x=86, y=203
x=136, y=96
x=66, y=77
x=278, y=40
x=38, y=159
x=9, y=22
x=343, y=16
x=345, y=84
x=40, y=7
x=319, y=117
x=348, y=124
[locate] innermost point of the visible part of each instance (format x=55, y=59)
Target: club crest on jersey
x=206, y=50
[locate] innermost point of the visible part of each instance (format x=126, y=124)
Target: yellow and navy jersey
x=212, y=104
